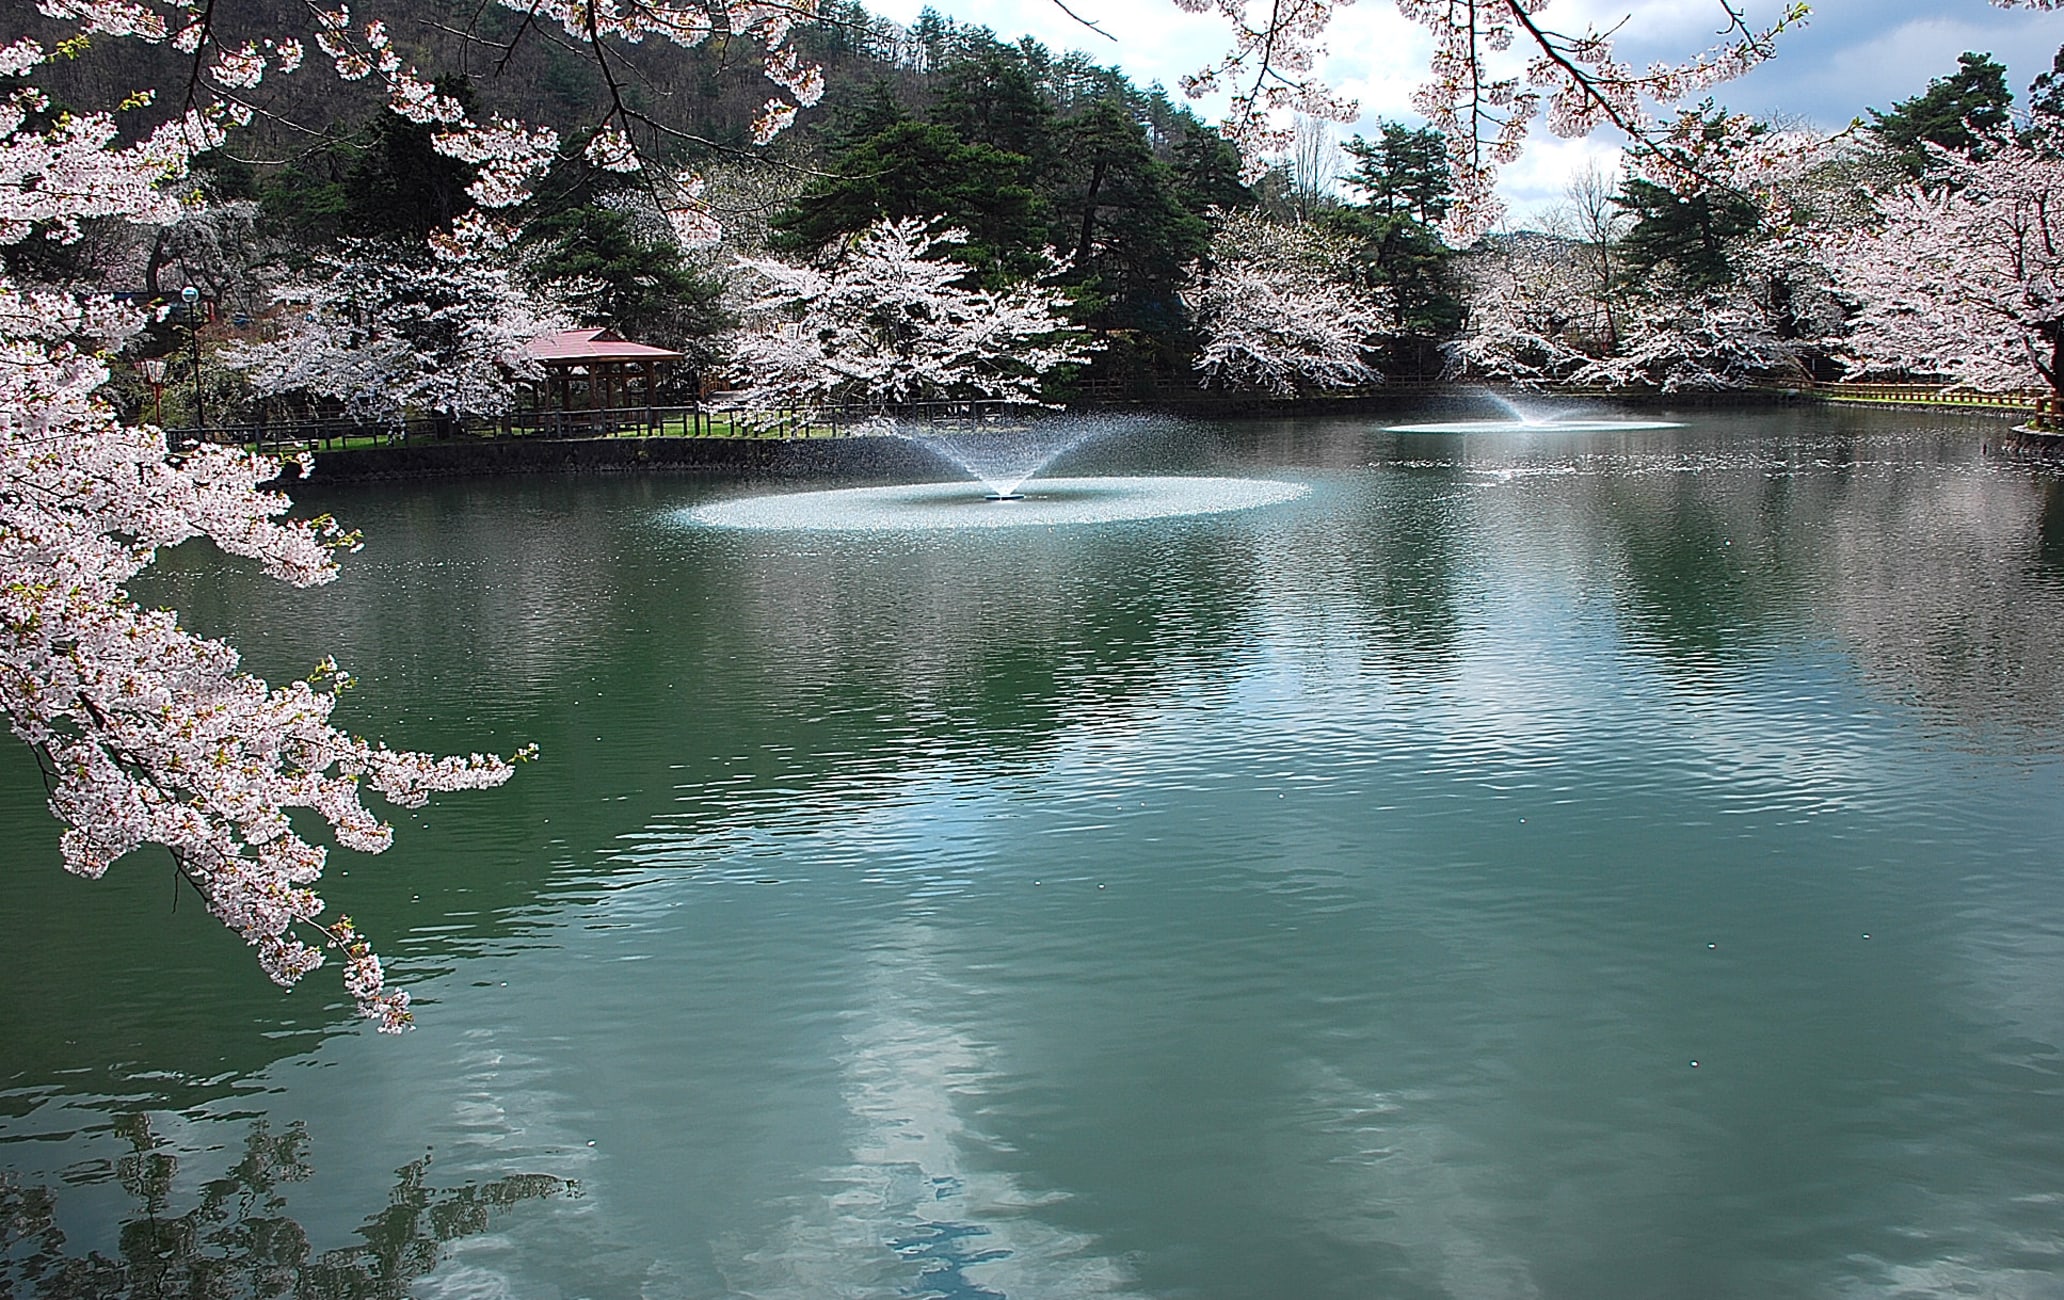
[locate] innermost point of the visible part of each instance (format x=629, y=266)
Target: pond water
x=1540, y=863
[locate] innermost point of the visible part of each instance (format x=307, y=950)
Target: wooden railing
x=700, y=420
x=2033, y=401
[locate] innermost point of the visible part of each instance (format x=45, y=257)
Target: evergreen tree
x=383, y=181
x=2046, y=107
x=1693, y=237
x=1404, y=172
x=1117, y=214
x=1404, y=175
x=1953, y=112
x=987, y=95
x=925, y=170
x=594, y=257
x=1207, y=171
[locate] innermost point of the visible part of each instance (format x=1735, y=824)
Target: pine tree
x=925, y=170
x=1954, y=112
x=1691, y=237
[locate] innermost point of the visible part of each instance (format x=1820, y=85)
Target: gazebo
x=603, y=362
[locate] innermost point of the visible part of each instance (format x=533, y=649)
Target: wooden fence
x=2033, y=401
x=702, y=420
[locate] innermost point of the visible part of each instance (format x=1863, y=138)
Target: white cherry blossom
x=1276, y=312
x=1964, y=280
x=884, y=320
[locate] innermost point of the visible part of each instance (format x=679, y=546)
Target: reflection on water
x=1320, y=900
x=919, y=1210
x=236, y=1237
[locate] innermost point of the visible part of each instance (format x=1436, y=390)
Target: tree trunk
x=154, y=265
x=1089, y=207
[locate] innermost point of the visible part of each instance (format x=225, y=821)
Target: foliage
x=146, y=733
x=1484, y=112
x=2046, y=107
x=923, y=170
x=1403, y=173
x=1687, y=237
x=1117, y=208
x=1395, y=238
x=387, y=179
x=608, y=269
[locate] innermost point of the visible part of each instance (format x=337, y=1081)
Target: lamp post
x=153, y=369
x=192, y=298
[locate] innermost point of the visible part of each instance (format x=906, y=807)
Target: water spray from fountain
x=1004, y=455
x=1532, y=419
x=1004, y=458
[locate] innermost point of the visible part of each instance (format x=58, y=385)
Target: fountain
x=1002, y=457
x=930, y=506
x=1004, y=461
x=1520, y=419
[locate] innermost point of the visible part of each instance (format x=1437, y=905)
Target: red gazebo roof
x=582, y=347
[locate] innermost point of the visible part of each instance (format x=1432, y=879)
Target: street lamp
x=192, y=298
x=153, y=369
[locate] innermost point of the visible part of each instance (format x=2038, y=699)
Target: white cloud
x=1833, y=76
x=1539, y=180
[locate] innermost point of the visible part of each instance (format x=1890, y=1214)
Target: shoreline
x=866, y=456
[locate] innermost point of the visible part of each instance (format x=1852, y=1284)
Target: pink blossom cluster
x=1693, y=341
x=1271, y=70
x=1535, y=314
x=1494, y=64
x=383, y=333
x=1546, y=310
x=1962, y=277
x=147, y=734
x=1485, y=113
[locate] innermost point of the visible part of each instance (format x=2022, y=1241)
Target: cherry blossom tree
x=1496, y=64
x=1277, y=311
x=1697, y=339
x=1583, y=304
x=884, y=319
x=1537, y=319
x=148, y=734
x=1497, y=67
x=1534, y=313
x=1963, y=279
x=384, y=331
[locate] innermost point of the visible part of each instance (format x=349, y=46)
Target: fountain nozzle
x=1005, y=496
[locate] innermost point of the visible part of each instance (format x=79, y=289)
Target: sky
x=1850, y=55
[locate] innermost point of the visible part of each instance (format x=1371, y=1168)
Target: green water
x=1329, y=899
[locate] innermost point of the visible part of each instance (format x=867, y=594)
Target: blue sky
x=1851, y=55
